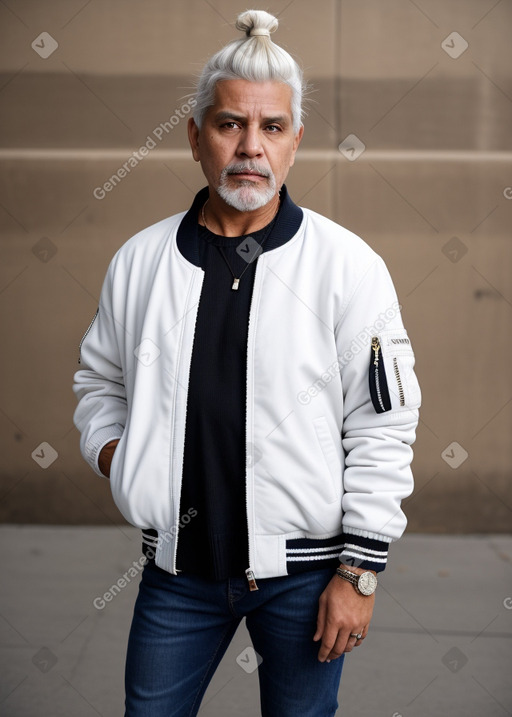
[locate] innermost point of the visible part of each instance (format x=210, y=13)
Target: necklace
x=236, y=280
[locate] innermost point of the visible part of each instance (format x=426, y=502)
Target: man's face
x=246, y=144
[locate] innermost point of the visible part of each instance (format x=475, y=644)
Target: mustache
x=242, y=167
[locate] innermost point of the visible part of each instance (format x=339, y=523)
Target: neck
x=227, y=221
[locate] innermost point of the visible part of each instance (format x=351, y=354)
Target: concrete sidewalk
x=440, y=642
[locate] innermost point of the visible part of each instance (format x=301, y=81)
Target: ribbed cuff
x=98, y=441
x=364, y=552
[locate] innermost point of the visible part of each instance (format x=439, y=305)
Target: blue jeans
x=183, y=624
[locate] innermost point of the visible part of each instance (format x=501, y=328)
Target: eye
x=230, y=125
x=273, y=128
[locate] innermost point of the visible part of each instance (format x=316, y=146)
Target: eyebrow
x=276, y=119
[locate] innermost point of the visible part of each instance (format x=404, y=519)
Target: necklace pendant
x=235, y=284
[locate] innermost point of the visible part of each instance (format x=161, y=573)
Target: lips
x=249, y=179
x=247, y=171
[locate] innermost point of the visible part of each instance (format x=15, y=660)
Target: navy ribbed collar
x=288, y=221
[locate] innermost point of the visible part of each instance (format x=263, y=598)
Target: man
x=248, y=387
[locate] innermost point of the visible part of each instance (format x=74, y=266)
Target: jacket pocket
x=331, y=456
x=393, y=382
x=379, y=391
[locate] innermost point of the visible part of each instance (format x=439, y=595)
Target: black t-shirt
x=214, y=543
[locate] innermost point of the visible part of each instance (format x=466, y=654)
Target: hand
x=105, y=457
x=342, y=611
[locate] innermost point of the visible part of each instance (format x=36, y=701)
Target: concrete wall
x=432, y=193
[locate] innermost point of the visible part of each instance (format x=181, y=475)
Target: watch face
x=367, y=583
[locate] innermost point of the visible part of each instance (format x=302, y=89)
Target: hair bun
x=256, y=23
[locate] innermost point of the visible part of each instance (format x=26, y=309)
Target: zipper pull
x=251, y=579
x=376, y=349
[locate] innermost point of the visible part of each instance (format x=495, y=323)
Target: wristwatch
x=364, y=584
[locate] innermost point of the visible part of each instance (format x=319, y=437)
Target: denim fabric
x=183, y=624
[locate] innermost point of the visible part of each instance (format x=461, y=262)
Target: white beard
x=249, y=195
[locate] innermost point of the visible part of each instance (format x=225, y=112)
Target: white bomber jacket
x=332, y=397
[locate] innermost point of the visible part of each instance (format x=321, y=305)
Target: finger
x=362, y=632
x=325, y=650
x=350, y=644
x=320, y=622
x=345, y=642
x=352, y=640
x=329, y=636
x=340, y=646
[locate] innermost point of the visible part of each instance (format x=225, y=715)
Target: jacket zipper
x=399, y=382
x=378, y=384
x=376, y=349
x=85, y=336
x=249, y=573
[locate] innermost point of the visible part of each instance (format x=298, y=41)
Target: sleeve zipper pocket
x=379, y=391
x=401, y=394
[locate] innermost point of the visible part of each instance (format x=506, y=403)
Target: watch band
x=350, y=577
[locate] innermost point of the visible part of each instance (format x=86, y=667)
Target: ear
x=193, y=138
x=296, y=142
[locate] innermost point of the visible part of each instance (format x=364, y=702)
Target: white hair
x=255, y=58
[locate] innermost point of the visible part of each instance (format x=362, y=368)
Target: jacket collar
x=288, y=221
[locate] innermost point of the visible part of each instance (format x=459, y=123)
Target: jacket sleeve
x=100, y=415
x=381, y=402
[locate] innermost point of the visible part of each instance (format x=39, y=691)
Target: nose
x=250, y=143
